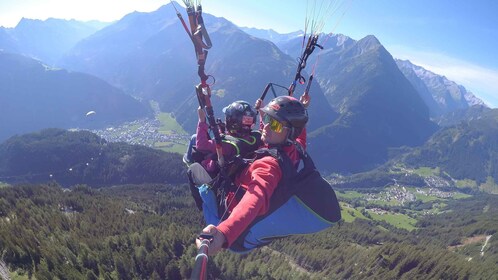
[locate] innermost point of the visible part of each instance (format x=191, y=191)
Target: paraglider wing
x=90, y=113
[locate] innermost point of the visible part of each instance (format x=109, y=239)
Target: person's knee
x=199, y=174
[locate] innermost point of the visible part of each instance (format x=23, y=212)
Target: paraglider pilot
x=284, y=120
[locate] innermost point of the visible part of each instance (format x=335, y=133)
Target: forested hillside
x=148, y=231
x=81, y=157
x=468, y=150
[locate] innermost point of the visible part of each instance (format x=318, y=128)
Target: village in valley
x=161, y=132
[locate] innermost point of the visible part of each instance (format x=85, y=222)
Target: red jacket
x=259, y=180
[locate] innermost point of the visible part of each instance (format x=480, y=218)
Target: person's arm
x=264, y=175
x=258, y=105
x=203, y=143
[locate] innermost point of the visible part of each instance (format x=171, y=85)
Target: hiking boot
x=186, y=160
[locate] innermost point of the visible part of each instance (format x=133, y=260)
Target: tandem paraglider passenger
x=238, y=140
x=279, y=193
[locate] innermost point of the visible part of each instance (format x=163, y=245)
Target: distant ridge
x=441, y=95
x=47, y=40
x=34, y=96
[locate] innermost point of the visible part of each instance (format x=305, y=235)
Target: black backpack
x=223, y=177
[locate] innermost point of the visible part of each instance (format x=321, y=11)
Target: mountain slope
x=47, y=40
x=243, y=65
x=468, y=150
x=34, y=96
x=149, y=55
x=272, y=35
x=146, y=232
x=378, y=108
x=126, y=55
x=82, y=157
x=440, y=94
x=457, y=116
x=7, y=42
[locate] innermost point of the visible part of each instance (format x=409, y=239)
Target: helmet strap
x=289, y=134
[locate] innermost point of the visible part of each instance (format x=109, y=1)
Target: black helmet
x=290, y=112
x=239, y=117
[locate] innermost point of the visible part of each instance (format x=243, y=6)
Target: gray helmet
x=239, y=117
x=290, y=112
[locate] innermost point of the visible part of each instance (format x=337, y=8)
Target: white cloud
x=481, y=81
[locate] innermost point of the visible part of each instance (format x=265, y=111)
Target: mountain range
x=272, y=35
x=145, y=54
x=34, y=96
x=441, y=95
x=46, y=40
x=364, y=102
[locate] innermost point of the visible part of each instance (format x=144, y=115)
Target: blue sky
x=455, y=38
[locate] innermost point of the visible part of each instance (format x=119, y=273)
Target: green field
x=382, y=202
x=404, y=221
x=349, y=194
x=466, y=183
x=426, y=171
x=423, y=197
x=171, y=147
x=169, y=124
x=395, y=219
x=489, y=186
x=349, y=214
x=461, y=196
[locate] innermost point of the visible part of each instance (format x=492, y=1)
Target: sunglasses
x=275, y=125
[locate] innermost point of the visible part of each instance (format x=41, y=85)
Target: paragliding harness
x=306, y=184
x=242, y=148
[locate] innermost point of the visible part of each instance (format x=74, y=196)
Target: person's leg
x=194, y=190
x=209, y=205
x=187, y=157
x=201, y=178
x=292, y=218
x=199, y=174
